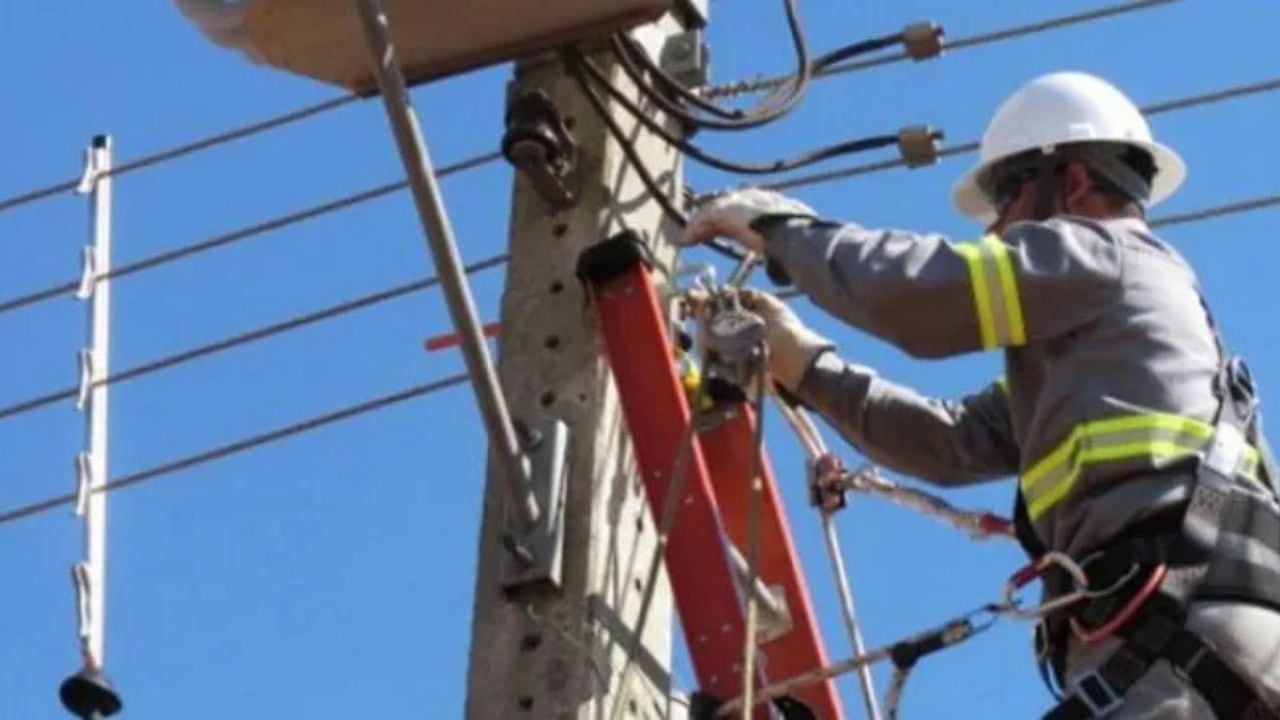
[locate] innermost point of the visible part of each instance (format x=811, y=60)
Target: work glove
x=793, y=347
x=734, y=214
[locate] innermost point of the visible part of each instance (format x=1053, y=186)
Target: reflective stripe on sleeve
x=1157, y=437
x=995, y=292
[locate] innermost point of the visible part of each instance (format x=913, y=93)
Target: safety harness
x=1222, y=544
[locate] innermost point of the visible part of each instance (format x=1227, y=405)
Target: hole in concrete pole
x=557, y=287
x=525, y=702
x=547, y=398
x=552, y=342
x=530, y=642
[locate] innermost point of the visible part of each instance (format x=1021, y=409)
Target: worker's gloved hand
x=792, y=345
x=732, y=215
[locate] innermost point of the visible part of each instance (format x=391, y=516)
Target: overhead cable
x=239, y=446
x=246, y=338
x=791, y=89
x=239, y=235
x=186, y=149
x=1168, y=106
x=746, y=87
x=580, y=62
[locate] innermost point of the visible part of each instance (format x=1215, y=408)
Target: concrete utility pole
x=559, y=654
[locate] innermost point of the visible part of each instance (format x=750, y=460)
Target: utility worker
x=1134, y=435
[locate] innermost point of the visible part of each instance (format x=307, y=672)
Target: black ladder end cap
x=89, y=694
x=610, y=258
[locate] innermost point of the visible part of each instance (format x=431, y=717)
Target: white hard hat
x=1059, y=108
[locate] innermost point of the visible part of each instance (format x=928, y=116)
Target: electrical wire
x=239, y=235
x=774, y=107
x=246, y=338
x=746, y=87
x=654, y=125
x=162, y=156
x=239, y=446
x=1182, y=103
x=664, y=200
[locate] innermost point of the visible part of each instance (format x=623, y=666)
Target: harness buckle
x=1096, y=693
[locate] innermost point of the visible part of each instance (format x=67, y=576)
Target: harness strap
x=1159, y=633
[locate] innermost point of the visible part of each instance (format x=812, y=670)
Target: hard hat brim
x=970, y=199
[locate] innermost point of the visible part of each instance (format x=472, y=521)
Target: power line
x=240, y=234
x=745, y=87
x=1217, y=211
x=186, y=149
x=245, y=338
x=1168, y=106
x=240, y=446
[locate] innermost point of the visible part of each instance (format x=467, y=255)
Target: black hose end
x=89, y=694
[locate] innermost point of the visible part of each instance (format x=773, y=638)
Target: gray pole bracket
x=535, y=553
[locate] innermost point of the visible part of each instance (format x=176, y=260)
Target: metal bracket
x=775, y=614
x=536, y=556
x=84, y=480
x=92, y=170
x=686, y=58
x=539, y=144
x=80, y=580
x=88, y=273
x=86, y=362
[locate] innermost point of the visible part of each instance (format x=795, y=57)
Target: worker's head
x=1067, y=143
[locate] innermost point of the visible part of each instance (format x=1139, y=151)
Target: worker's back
x=1110, y=413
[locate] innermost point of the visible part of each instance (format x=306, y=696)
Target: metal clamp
x=918, y=145
x=535, y=555
x=88, y=273
x=826, y=489
x=92, y=171
x=923, y=40
x=85, y=360
x=84, y=616
x=84, y=481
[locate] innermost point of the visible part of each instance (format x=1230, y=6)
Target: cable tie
x=84, y=480
x=923, y=40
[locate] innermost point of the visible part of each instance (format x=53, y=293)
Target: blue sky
x=323, y=576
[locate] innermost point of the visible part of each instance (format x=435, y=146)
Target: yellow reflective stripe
x=1161, y=449
x=1149, y=435
x=1009, y=287
x=1003, y=383
x=981, y=294
x=1124, y=423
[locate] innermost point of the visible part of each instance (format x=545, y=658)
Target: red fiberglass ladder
x=713, y=482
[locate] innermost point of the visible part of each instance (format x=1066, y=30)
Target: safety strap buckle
x=1096, y=693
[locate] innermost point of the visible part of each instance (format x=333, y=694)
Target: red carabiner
x=1126, y=613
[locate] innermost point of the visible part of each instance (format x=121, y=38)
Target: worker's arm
x=948, y=443
x=933, y=297
x=944, y=442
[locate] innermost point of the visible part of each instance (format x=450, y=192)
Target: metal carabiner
x=1035, y=570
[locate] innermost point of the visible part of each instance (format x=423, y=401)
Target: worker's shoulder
x=1102, y=239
